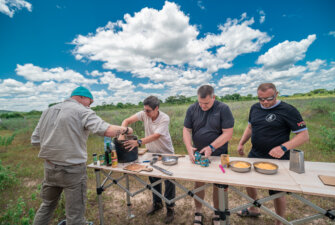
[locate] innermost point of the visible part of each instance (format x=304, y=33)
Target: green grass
x=19, y=199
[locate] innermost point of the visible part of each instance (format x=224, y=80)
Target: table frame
x=223, y=212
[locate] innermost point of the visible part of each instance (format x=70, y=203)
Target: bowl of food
x=240, y=166
x=266, y=167
x=169, y=160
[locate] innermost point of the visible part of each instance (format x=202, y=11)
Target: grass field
x=21, y=172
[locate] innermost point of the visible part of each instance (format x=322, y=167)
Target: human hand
x=240, y=150
x=191, y=151
x=130, y=144
x=207, y=150
x=130, y=130
x=277, y=152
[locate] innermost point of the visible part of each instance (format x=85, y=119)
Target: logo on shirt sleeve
x=270, y=117
x=301, y=124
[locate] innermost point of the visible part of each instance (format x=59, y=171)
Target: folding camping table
x=289, y=182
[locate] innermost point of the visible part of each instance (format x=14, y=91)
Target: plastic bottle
x=114, y=158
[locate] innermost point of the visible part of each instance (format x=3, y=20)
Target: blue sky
x=125, y=50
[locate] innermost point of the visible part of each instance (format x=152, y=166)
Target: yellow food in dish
x=241, y=165
x=266, y=166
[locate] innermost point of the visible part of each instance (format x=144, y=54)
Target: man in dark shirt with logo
x=209, y=124
x=270, y=124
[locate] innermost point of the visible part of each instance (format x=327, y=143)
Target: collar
x=271, y=107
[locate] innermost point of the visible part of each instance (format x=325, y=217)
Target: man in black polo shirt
x=270, y=124
x=209, y=124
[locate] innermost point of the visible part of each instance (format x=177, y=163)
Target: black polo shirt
x=272, y=126
x=207, y=125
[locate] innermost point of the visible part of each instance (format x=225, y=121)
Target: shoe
x=169, y=215
x=63, y=222
x=155, y=208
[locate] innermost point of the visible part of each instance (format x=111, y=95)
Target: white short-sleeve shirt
x=160, y=126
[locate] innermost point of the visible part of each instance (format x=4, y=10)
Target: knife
x=154, y=160
x=162, y=170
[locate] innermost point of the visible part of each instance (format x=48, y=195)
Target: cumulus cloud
x=152, y=86
x=35, y=73
x=298, y=78
x=9, y=7
x=163, y=46
x=332, y=33
x=285, y=54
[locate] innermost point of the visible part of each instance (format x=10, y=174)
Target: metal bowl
x=265, y=171
x=169, y=160
x=237, y=169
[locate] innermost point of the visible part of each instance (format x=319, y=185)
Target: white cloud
x=115, y=83
x=332, y=33
x=9, y=7
x=261, y=16
x=163, y=46
x=285, y=54
x=296, y=79
x=152, y=86
x=35, y=73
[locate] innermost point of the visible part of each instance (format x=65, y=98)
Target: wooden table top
x=284, y=180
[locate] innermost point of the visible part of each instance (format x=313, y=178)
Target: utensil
x=239, y=169
x=153, y=161
x=169, y=160
x=221, y=167
x=297, y=163
x=265, y=171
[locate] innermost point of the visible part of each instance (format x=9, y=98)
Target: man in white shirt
x=158, y=140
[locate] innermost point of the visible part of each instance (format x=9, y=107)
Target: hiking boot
x=169, y=215
x=155, y=207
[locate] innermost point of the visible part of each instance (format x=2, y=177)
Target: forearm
x=223, y=138
x=187, y=138
x=297, y=140
x=246, y=135
x=114, y=130
x=150, y=138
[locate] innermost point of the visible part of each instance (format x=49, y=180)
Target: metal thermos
x=297, y=163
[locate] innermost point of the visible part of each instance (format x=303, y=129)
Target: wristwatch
x=139, y=142
x=283, y=148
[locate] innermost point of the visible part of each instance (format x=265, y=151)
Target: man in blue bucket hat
x=62, y=133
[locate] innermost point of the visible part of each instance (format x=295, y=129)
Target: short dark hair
x=151, y=101
x=265, y=86
x=205, y=90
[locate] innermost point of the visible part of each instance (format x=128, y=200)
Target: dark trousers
x=170, y=191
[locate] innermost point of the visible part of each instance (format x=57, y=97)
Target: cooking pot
x=123, y=154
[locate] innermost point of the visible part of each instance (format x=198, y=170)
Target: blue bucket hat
x=82, y=91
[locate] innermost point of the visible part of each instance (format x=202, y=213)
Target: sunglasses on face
x=266, y=99
x=148, y=110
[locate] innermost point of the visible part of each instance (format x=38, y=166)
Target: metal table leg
x=130, y=215
x=99, y=192
x=223, y=203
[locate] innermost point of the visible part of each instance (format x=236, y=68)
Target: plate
x=266, y=167
x=240, y=166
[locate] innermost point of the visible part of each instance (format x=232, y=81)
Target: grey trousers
x=70, y=179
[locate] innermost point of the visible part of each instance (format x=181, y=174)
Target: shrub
x=7, y=177
x=328, y=135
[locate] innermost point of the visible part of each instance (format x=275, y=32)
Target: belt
x=51, y=163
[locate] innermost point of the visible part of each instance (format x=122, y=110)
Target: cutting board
x=327, y=180
x=141, y=151
x=135, y=167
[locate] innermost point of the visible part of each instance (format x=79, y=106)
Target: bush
x=7, y=177
x=328, y=135
x=11, y=115
x=18, y=213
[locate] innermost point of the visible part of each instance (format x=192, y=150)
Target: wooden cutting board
x=141, y=151
x=135, y=167
x=327, y=180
